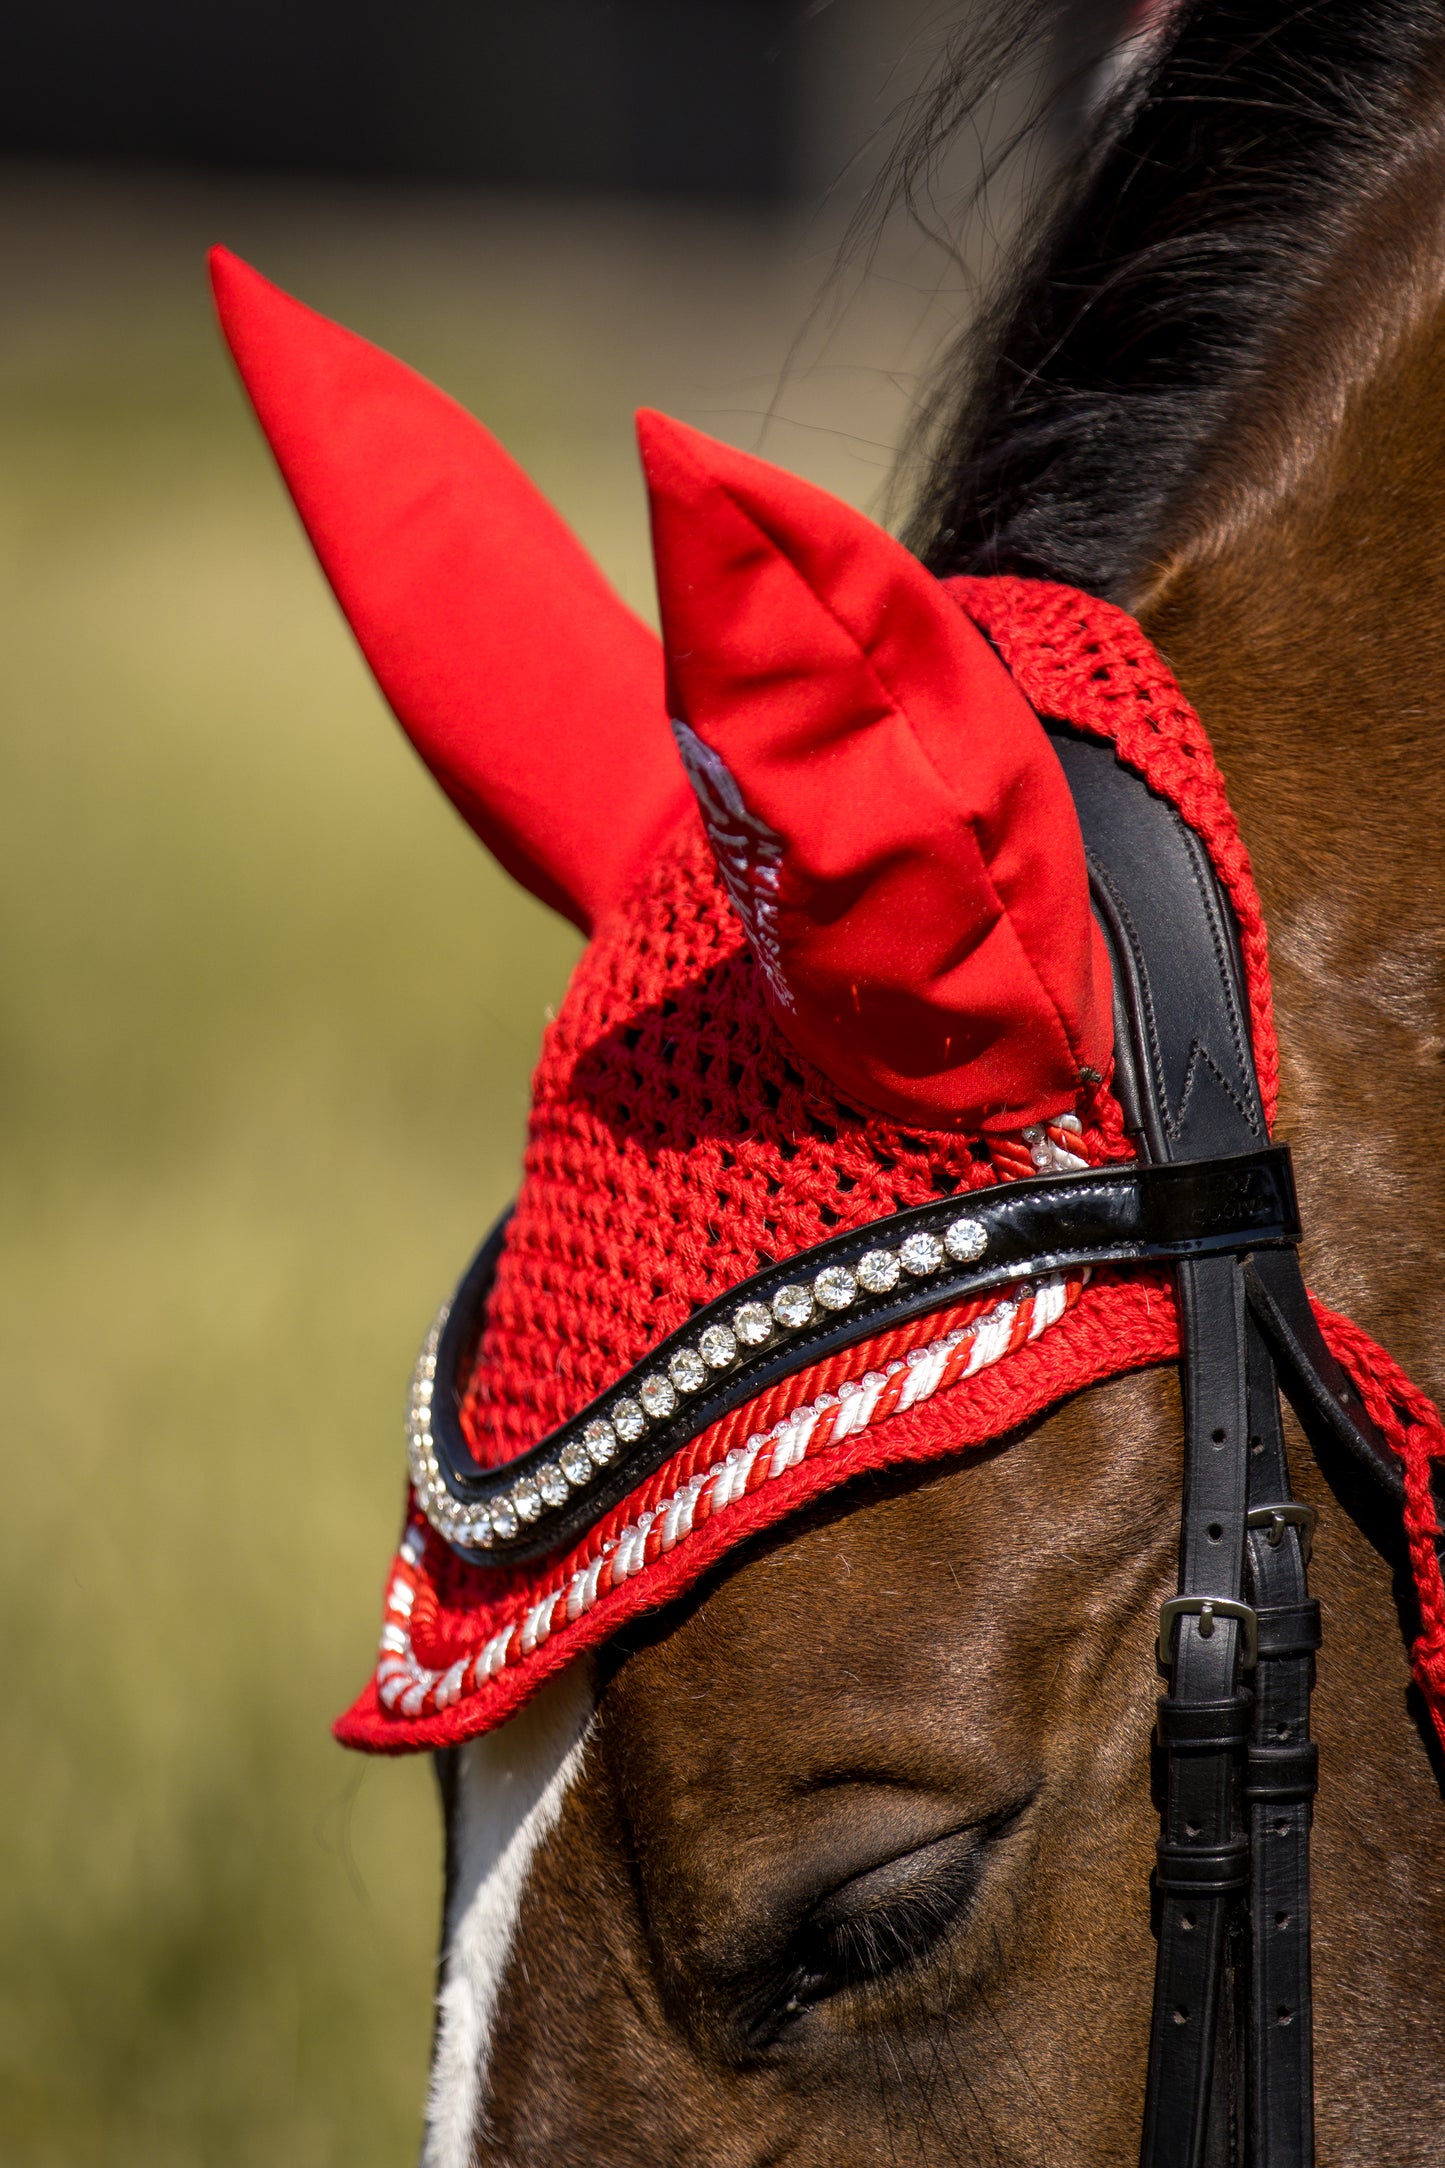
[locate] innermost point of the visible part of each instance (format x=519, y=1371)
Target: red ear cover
x=529, y=689
x=889, y=815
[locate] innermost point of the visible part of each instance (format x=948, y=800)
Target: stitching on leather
x=1199, y=1055
x=1173, y=1116
x=1224, y=963
x=1156, y=1052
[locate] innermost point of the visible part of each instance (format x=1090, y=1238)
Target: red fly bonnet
x=844, y=989
x=919, y=1073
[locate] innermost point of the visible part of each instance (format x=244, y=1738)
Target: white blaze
x=510, y=1789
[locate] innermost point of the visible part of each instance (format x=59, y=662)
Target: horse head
x=781, y=1583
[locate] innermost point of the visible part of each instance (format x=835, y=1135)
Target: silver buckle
x=1207, y=1609
x=1274, y=1520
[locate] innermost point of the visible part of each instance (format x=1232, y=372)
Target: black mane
x=1180, y=237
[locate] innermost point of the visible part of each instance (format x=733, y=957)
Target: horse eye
x=878, y=1923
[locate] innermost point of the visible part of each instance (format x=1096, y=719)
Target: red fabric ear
x=529, y=689
x=889, y=816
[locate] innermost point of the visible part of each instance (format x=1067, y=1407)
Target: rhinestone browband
x=791, y=1315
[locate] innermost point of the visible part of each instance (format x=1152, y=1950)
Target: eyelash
x=825, y=1962
x=861, y=1951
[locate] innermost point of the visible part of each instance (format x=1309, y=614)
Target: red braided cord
x=454, y=1586
x=1011, y=1158
x=1412, y=1424
x=1122, y=1323
x=1117, y=1325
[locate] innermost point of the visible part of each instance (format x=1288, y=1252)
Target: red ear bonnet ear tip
x=885, y=810
x=237, y=286
x=660, y=434
x=528, y=687
x=889, y=817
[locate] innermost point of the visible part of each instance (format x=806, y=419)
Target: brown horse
x=918, y=1716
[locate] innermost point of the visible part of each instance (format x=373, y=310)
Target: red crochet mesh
x=678, y=1143
x=1087, y=663
x=1412, y=1424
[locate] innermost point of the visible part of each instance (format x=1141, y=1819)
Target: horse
x=837, y=1847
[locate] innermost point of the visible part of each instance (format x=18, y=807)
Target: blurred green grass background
x=267, y=1024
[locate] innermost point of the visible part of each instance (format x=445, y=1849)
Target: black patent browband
x=790, y=1315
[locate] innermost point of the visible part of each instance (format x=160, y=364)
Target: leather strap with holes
x=1279, y=1786
x=1202, y=1865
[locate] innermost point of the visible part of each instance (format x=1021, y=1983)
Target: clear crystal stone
x=504, y=1520
x=629, y=1421
x=576, y=1462
x=687, y=1370
x=967, y=1240
x=479, y=1527
x=753, y=1324
x=878, y=1271
x=835, y=1287
x=921, y=1254
x=657, y=1396
x=526, y=1498
x=600, y=1438
x=793, y=1305
x=551, y=1483
x=718, y=1347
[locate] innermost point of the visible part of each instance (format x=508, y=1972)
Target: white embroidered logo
x=749, y=854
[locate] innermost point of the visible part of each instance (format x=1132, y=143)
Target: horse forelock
x=1067, y=439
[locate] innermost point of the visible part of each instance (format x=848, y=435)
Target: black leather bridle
x=1230, y=2063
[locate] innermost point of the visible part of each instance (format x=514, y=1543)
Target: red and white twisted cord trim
x=409, y=1689
x=1043, y=1148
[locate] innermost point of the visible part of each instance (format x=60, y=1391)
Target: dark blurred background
x=268, y=1013
x=694, y=97
x=740, y=101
